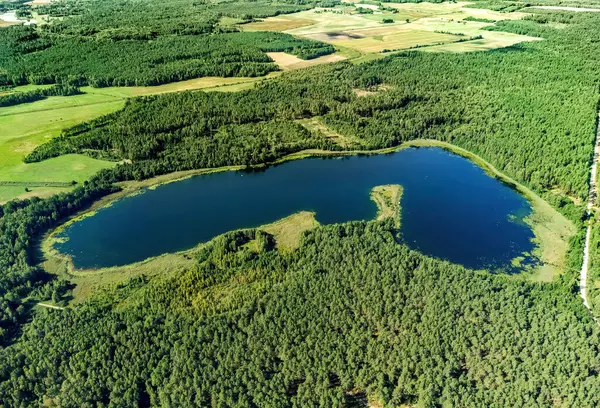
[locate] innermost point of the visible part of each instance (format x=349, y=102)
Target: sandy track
x=591, y=199
x=51, y=306
x=562, y=8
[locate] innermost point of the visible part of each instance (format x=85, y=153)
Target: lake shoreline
x=543, y=220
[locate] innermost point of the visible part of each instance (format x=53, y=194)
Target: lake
x=451, y=209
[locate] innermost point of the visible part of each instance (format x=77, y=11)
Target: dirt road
x=591, y=199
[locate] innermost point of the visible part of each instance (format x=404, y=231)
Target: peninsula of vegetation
x=387, y=199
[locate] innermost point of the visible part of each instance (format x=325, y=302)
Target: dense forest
x=351, y=315
x=537, y=130
x=145, y=43
x=27, y=56
x=21, y=280
x=147, y=19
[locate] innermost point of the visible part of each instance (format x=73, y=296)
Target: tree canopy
x=349, y=316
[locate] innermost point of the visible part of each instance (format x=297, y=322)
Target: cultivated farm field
x=432, y=27
x=288, y=61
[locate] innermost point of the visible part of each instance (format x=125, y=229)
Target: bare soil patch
x=289, y=62
x=277, y=24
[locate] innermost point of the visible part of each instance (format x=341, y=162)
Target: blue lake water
x=451, y=209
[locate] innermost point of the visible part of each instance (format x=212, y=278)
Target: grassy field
x=26, y=126
x=23, y=127
x=279, y=23
x=388, y=198
x=24, y=88
x=289, y=230
x=490, y=40
x=379, y=39
x=67, y=168
x=497, y=40
x=315, y=125
x=415, y=25
x=206, y=83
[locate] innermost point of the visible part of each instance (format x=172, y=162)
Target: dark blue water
x=450, y=208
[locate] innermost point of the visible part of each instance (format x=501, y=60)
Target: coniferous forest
x=351, y=316
x=30, y=57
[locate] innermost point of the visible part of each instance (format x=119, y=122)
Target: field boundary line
x=61, y=107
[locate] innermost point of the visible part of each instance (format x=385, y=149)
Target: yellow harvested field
x=280, y=23
x=488, y=42
x=430, y=26
x=397, y=41
x=289, y=62
x=189, y=85
x=330, y=21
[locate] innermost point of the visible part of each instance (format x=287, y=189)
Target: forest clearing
x=288, y=61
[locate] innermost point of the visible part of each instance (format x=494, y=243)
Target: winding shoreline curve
x=547, y=224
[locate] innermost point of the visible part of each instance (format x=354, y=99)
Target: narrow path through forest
x=562, y=8
x=591, y=200
x=51, y=306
